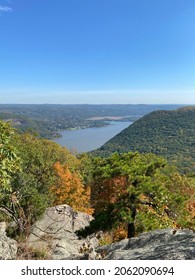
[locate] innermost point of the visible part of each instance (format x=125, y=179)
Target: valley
x=49, y=121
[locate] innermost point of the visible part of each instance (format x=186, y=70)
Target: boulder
x=55, y=232
x=8, y=246
x=165, y=244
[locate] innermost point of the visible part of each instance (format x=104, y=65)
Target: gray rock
x=3, y=227
x=8, y=246
x=55, y=232
x=166, y=244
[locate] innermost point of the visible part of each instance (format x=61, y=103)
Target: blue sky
x=97, y=51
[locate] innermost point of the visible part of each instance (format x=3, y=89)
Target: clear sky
x=97, y=51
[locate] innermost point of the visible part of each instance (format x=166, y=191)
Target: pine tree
x=136, y=190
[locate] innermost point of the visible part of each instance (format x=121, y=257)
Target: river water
x=88, y=139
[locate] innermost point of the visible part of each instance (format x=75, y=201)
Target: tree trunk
x=131, y=230
x=131, y=224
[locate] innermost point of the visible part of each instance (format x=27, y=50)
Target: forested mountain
x=49, y=120
x=167, y=133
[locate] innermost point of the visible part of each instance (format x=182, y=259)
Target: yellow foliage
x=69, y=189
x=107, y=238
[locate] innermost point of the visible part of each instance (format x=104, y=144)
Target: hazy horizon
x=106, y=104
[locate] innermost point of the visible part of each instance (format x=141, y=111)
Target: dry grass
x=26, y=252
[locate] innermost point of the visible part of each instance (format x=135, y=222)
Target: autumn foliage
x=135, y=193
x=70, y=190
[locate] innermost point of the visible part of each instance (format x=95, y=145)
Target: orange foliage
x=70, y=190
x=119, y=233
x=114, y=235
x=191, y=209
x=110, y=192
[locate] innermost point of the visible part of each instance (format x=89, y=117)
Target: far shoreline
x=111, y=118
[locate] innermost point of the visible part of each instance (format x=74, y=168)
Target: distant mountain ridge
x=49, y=120
x=167, y=133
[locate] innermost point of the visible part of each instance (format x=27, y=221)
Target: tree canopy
x=138, y=192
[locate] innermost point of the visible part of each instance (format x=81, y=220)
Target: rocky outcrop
x=166, y=244
x=8, y=246
x=55, y=232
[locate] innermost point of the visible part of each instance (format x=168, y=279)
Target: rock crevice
x=55, y=233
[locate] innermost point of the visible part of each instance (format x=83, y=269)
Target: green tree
x=135, y=190
x=27, y=174
x=9, y=161
x=10, y=165
x=34, y=182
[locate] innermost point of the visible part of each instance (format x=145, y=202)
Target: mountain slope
x=167, y=133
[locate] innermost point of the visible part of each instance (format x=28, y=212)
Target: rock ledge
x=165, y=244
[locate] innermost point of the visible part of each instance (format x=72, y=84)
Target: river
x=88, y=139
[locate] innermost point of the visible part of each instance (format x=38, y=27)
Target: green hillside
x=167, y=133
